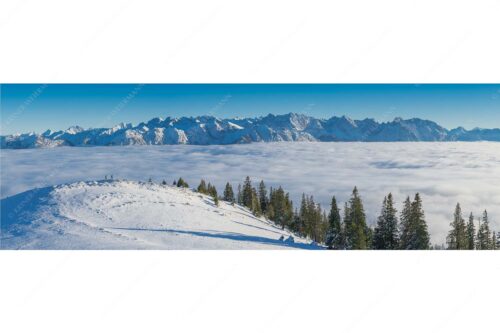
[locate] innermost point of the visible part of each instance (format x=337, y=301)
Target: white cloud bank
x=444, y=173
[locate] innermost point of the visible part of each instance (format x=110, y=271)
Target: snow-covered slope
x=133, y=215
x=207, y=130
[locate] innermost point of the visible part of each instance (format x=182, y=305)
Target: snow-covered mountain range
x=133, y=215
x=207, y=130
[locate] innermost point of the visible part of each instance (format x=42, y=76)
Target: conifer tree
x=369, y=237
x=202, y=188
x=295, y=223
x=385, y=235
x=334, y=233
x=228, y=193
x=494, y=241
x=314, y=221
x=405, y=226
x=164, y=183
x=323, y=225
x=255, y=205
x=246, y=195
x=302, y=216
x=471, y=233
x=356, y=228
x=421, y=239
x=483, y=233
x=457, y=237
x=211, y=190
x=414, y=233
x=278, y=202
x=347, y=226
x=181, y=183
x=263, y=199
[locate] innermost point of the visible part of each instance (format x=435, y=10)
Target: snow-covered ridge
x=133, y=215
x=208, y=130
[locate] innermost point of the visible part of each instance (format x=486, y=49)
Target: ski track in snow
x=444, y=173
x=132, y=215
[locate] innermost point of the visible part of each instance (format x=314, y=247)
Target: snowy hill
x=133, y=215
x=207, y=130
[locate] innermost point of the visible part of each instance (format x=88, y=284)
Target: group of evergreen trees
x=349, y=229
x=180, y=183
x=209, y=190
x=409, y=232
x=463, y=236
x=276, y=205
x=349, y=232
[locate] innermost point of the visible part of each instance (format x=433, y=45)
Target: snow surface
x=132, y=215
x=443, y=172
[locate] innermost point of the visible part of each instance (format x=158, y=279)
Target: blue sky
x=36, y=107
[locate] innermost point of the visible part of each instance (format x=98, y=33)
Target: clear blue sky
x=36, y=107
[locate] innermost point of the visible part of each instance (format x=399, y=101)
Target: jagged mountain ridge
x=207, y=130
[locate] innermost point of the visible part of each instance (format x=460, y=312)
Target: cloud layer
x=444, y=173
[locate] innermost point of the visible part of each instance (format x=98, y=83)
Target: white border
x=228, y=41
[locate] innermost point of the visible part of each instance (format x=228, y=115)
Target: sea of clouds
x=444, y=173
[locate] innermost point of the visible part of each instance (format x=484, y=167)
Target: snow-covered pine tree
x=457, y=237
x=334, y=232
x=494, y=241
x=228, y=193
x=471, y=233
x=386, y=233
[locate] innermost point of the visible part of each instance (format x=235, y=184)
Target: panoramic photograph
x=250, y=166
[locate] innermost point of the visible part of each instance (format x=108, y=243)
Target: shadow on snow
x=229, y=235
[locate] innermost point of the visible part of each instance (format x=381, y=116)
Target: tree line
x=348, y=228
x=463, y=236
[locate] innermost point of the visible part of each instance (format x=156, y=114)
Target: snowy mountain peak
x=74, y=130
x=207, y=130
